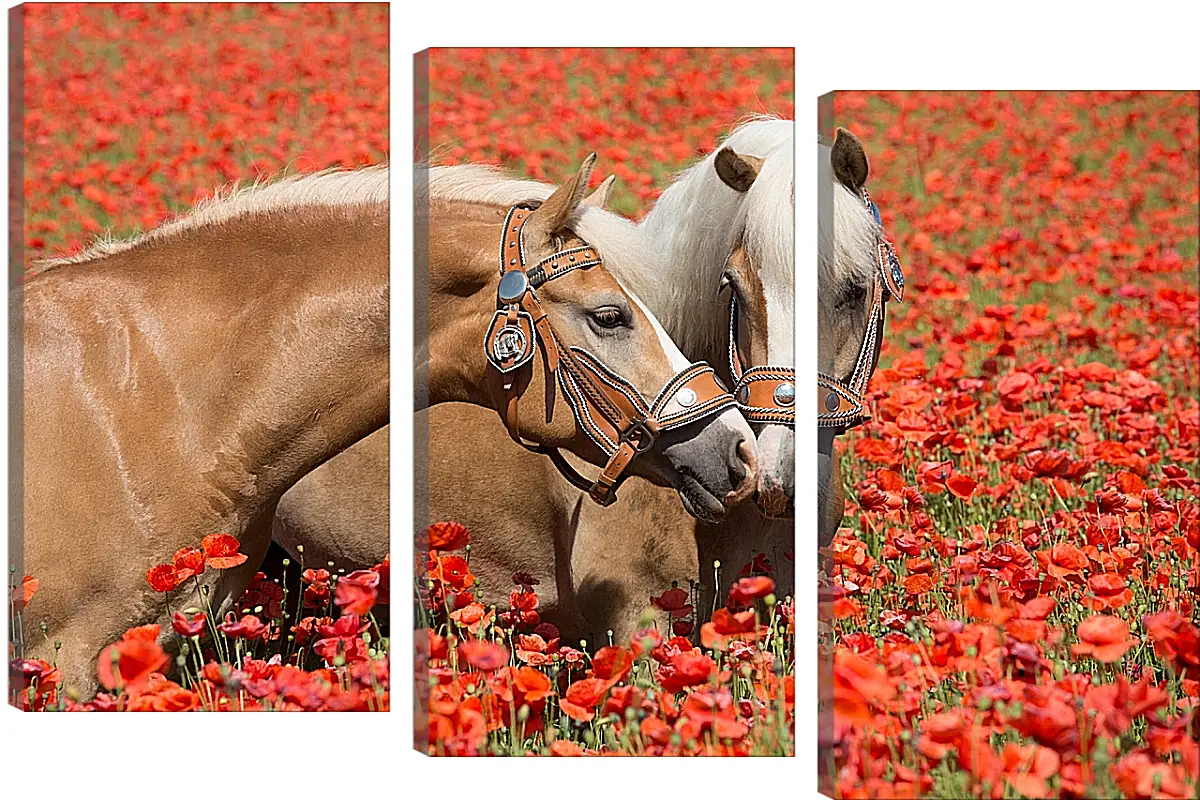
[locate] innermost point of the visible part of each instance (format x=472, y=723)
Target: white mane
x=333, y=187
x=769, y=226
x=695, y=224
x=852, y=250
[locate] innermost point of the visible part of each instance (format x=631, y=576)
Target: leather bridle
x=767, y=394
x=606, y=406
x=842, y=405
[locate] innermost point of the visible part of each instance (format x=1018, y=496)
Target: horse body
x=179, y=384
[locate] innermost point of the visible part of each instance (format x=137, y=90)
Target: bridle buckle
x=641, y=435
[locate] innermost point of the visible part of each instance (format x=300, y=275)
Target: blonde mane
x=846, y=243
x=696, y=223
x=625, y=253
x=331, y=187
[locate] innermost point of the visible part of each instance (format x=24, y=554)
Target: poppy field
x=492, y=677
x=131, y=114
x=134, y=112
x=1010, y=608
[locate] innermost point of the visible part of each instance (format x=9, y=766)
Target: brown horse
x=177, y=384
x=599, y=344
x=340, y=512
x=598, y=564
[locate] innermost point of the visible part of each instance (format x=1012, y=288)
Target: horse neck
x=260, y=344
x=461, y=300
x=692, y=229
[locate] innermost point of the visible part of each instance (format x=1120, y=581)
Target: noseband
x=842, y=405
x=606, y=406
x=767, y=394
x=764, y=394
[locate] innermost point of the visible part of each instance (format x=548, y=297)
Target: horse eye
x=608, y=317
x=726, y=281
x=854, y=295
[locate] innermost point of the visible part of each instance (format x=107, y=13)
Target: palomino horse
x=177, y=384
x=709, y=461
x=858, y=273
x=555, y=295
x=340, y=511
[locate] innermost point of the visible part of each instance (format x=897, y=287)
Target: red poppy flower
x=356, y=593
x=473, y=616
x=673, y=601
x=525, y=580
x=747, y=590
x=188, y=562
x=347, y=626
x=1110, y=591
x=1176, y=640
x=162, y=577
x=918, y=584
x=129, y=663
x=221, y=551
x=612, y=664
x=690, y=668
x=1063, y=561
x=453, y=571
x=315, y=576
x=533, y=684
x=581, y=698
x=29, y=587
x=565, y=747
x=1104, y=638
x=248, y=627
x=644, y=640
x=189, y=627
x=316, y=595
x=961, y=486
x=483, y=656
x=727, y=626
x=856, y=685
x=448, y=536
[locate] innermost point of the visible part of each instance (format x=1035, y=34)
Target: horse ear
x=551, y=216
x=737, y=171
x=603, y=193
x=849, y=160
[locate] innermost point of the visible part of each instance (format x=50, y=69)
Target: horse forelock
x=697, y=221
x=628, y=256
x=769, y=236
x=328, y=188
x=847, y=242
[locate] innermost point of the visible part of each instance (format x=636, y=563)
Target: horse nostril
x=743, y=472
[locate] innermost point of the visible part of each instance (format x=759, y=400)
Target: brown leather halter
x=842, y=405
x=767, y=394
x=607, y=407
x=764, y=394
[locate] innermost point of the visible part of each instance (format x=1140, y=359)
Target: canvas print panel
x=202, y=309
